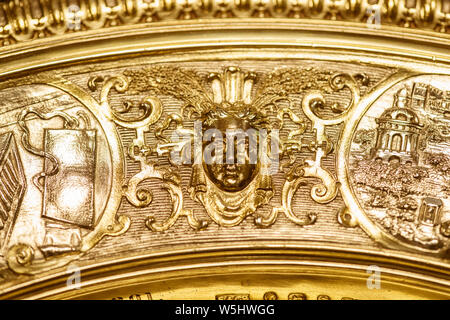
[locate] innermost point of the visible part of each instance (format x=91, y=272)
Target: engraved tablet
x=67, y=180
x=69, y=194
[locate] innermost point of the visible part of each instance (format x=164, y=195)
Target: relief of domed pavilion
x=398, y=131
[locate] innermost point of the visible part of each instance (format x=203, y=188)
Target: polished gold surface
x=115, y=115
x=25, y=20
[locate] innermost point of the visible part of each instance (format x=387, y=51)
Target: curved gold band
x=94, y=205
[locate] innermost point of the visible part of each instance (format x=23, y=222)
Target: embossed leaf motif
x=185, y=85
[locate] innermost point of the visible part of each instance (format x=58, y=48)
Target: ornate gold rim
x=31, y=19
x=184, y=265
x=428, y=49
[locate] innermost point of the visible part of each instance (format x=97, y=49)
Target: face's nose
x=240, y=154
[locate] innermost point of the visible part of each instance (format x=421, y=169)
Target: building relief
x=400, y=165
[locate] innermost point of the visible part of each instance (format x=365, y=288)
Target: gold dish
x=107, y=111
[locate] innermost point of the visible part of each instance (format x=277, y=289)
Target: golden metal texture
x=115, y=122
x=26, y=20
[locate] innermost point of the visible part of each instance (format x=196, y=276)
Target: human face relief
x=234, y=170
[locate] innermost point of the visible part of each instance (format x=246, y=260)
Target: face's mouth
x=231, y=173
x=231, y=181
x=230, y=177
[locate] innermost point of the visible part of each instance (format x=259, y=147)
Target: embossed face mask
x=239, y=172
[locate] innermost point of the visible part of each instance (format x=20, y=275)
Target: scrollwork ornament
x=138, y=151
x=328, y=189
x=21, y=23
x=232, y=104
x=346, y=218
